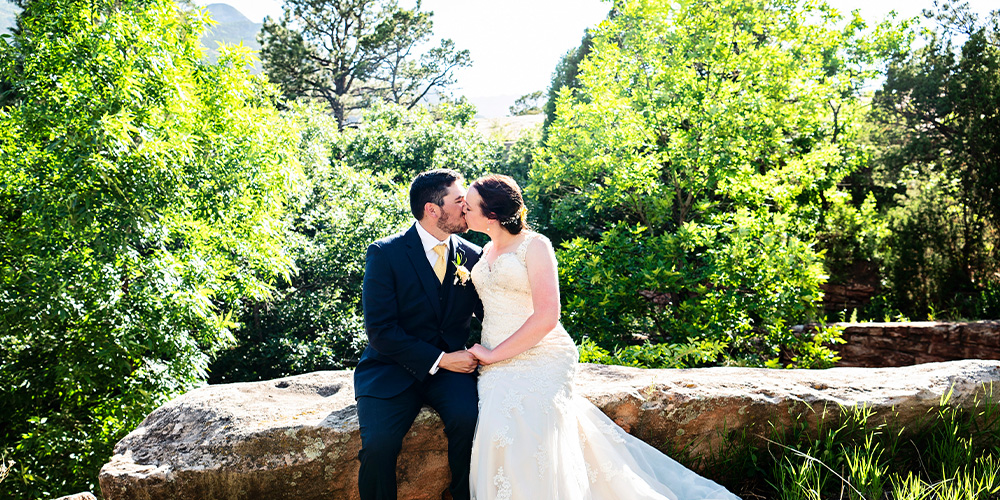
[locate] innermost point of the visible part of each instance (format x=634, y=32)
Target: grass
x=952, y=453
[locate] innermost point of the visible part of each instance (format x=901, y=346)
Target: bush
x=932, y=249
x=731, y=285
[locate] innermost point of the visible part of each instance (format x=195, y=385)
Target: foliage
x=626, y=275
x=314, y=322
x=852, y=230
x=528, y=104
x=519, y=157
x=649, y=355
x=852, y=452
x=814, y=351
x=565, y=76
x=356, y=193
x=938, y=116
x=854, y=238
x=351, y=53
x=141, y=196
x=402, y=143
x=690, y=172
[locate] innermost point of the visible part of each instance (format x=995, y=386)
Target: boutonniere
x=462, y=274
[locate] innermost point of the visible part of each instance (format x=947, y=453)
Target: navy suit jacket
x=410, y=317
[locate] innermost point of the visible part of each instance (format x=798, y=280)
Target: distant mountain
x=8, y=12
x=232, y=28
x=226, y=14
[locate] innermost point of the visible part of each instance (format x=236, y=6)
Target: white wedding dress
x=535, y=438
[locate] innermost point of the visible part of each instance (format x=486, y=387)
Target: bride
x=535, y=438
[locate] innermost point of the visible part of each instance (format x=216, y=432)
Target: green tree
x=351, y=53
x=141, y=198
x=403, y=142
x=939, y=112
x=519, y=157
x=565, y=77
x=691, y=169
x=528, y=104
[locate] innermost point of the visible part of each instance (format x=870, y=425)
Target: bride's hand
x=482, y=354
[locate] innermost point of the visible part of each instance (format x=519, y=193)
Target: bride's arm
x=544, y=280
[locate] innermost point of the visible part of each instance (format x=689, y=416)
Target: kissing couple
x=517, y=430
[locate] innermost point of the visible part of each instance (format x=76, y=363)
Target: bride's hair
x=502, y=201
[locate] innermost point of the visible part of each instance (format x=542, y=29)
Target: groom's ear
x=432, y=210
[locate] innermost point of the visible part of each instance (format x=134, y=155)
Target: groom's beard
x=452, y=225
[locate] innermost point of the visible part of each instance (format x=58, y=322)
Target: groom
x=417, y=315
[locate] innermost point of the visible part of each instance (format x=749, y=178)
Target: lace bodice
x=505, y=291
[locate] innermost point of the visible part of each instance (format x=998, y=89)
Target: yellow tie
x=439, y=267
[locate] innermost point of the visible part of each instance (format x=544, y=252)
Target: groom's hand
x=459, y=361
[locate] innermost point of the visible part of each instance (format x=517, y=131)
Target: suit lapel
x=449, y=277
x=423, y=270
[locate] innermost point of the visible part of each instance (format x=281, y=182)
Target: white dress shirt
x=429, y=242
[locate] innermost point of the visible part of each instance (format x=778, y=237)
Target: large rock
x=297, y=437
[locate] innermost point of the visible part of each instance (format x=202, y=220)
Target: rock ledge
x=297, y=437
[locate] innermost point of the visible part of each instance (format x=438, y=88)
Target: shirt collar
x=429, y=241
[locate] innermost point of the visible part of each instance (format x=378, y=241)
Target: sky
x=516, y=44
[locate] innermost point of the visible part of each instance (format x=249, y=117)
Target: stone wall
x=846, y=297
x=905, y=344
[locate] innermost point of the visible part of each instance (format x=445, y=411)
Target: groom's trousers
x=384, y=423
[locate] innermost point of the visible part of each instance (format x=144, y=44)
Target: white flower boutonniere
x=462, y=274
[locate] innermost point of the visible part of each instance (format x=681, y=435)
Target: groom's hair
x=431, y=186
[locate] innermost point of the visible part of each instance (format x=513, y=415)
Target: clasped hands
x=466, y=361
